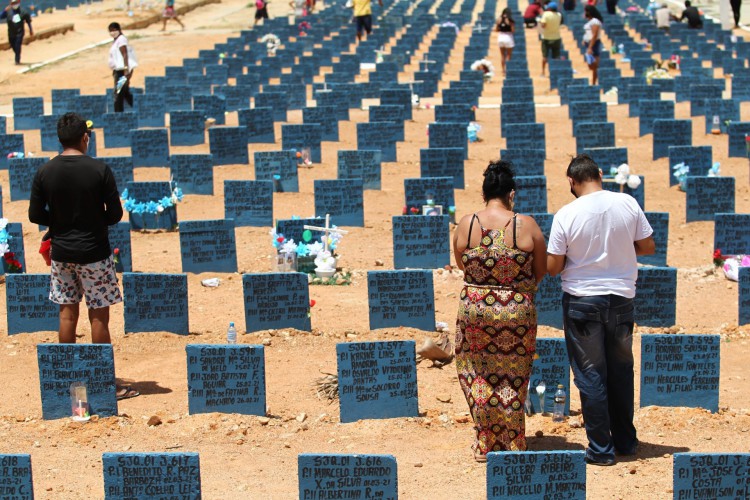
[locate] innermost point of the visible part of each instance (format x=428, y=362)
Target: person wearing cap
x=551, y=40
x=122, y=62
x=16, y=16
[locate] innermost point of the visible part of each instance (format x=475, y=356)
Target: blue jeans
x=599, y=338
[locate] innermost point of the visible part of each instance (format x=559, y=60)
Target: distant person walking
x=592, y=40
x=551, y=39
x=692, y=15
x=261, y=11
x=363, y=16
x=170, y=13
x=16, y=16
x=505, y=27
x=736, y=6
x=122, y=62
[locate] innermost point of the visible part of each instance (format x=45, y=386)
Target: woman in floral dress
x=503, y=256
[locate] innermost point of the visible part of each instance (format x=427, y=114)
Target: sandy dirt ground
x=244, y=457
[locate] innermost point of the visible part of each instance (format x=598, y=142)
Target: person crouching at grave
x=532, y=12
x=503, y=258
x=593, y=244
x=693, y=16
x=505, y=27
x=122, y=62
x=592, y=39
x=76, y=197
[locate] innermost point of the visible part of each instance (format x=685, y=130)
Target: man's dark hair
x=114, y=26
x=583, y=168
x=70, y=129
x=687, y=3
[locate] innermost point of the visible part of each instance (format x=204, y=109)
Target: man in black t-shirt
x=16, y=16
x=693, y=16
x=76, y=197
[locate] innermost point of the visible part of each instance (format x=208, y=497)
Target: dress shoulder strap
x=515, y=229
x=471, y=226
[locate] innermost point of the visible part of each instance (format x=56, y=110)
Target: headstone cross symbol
x=327, y=229
x=480, y=28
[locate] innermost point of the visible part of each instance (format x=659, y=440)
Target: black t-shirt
x=82, y=199
x=505, y=25
x=693, y=17
x=16, y=18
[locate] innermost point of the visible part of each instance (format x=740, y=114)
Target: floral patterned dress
x=496, y=339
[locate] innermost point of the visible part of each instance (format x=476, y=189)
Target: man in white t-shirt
x=663, y=17
x=594, y=242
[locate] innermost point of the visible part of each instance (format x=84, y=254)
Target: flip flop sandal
x=126, y=392
x=478, y=455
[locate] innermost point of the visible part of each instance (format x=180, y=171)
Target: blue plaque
x=639, y=193
x=325, y=117
x=443, y=162
x=401, y=298
x=26, y=112
x=119, y=241
x=514, y=113
x=21, y=175
x=347, y=476
x=60, y=365
x=377, y=380
x=226, y=379
x=449, y=135
x=91, y=107
x=276, y=101
x=149, y=147
x=212, y=106
x=660, y=224
x=292, y=229
x=16, y=246
x=10, y=143
x=62, y=100
x=28, y=306
x=654, y=110
x=710, y=475
x=737, y=131
x=732, y=233
x=589, y=112
x=608, y=158
x=301, y=136
x=187, y=128
x=594, y=135
x=671, y=133
x=698, y=158
x=656, y=296
x=208, y=246
x=151, y=475
x=551, y=367
x=343, y=199
x=531, y=194
x=680, y=370
x=719, y=113
x=421, y=241
x=16, y=481
x=280, y=167
x=360, y=164
x=276, y=300
x=228, y=145
x=699, y=93
x=48, y=131
x=150, y=109
x=418, y=192
x=743, y=299
x=155, y=303
x=194, y=173
x=706, y=196
x=525, y=161
x=397, y=97
x=122, y=169
x=525, y=136
x=259, y=125
x=456, y=113
x=536, y=475
x=249, y=203
x=392, y=114
x=147, y=193
x=117, y=127
x=380, y=136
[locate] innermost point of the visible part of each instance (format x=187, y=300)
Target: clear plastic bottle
x=558, y=414
x=231, y=334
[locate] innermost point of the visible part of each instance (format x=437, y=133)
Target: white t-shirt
x=588, y=34
x=596, y=233
x=116, y=61
x=662, y=17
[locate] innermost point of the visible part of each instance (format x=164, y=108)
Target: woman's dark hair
x=507, y=13
x=70, y=129
x=114, y=26
x=583, y=168
x=498, y=181
x=592, y=12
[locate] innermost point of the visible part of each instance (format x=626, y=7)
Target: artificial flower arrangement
x=731, y=264
x=429, y=203
x=657, y=73
x=310, y=254
x=681, y=172
x=623, y=177
x=485, y=66
x=272, y=43
x=10, y=263
x=154, y=207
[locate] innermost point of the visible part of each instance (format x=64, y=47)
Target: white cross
x=327, y=229
x=479, y=28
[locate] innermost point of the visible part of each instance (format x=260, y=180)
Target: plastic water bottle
x=558, y=414
x=231, y=334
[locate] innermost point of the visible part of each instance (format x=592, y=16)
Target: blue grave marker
x=150, y=475
x=548, y=298
x=62, y=100
x=514, y=113
x=343, y=199
x=454, y=113
x=443, y=162
x=699, y=93
x=391, y=114
x=48, y=132
x=719, y=113
x=194, y=173
x=91, y=107
x=732, y=233
x=656, y=296
x=150, y=109
x=654, y=110
x=743, y=300
x=531, y=194
x=142, y=201
x=175, y=94
x=706, y=196
x=660, y=224
x=301, y=136
x=737, y=132
x=28, y=306
x=187, y=128
x=698, y=158
x=15, y=246
x=212, y=106
x=594, y=135
x=228, y=145
x=517, y=93
x=525, y=136
x=588, y=112
x=325, y=117
x=149, y=147
x=397, y=97
x=208, y=246
x=119, y=241
x=27, y=112
x=276, y=101
x=536, y=475
x=16, y=477
x=276, y=300
x=419, y=191
x=551, y=367
x=710, y=475
x=21, y=172
x=421, y=242
x=351, y=476
x=377, y=380
x=60, y=365
x=156, y=302
x=280, y=167
x=638, y=193
x=249, y=203
x=401, y=298
x=292, y=229
x=360, y=164
x=449, y=135
x=525, y=161
x=378, y=136
x=259, y=125
x=226, y=379
x=10, y=143
x=680, y=370
x=608, y=158
x=122, y=169
x=117, y=127
x=671, y=133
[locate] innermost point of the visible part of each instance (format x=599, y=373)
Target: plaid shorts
x=98, y=281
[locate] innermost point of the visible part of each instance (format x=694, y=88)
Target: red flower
x=312, y=303
x=9, y=256
x=280, y=239
x=405, y=210
x=414, y=210
x=116, y=251
x=717, y=253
